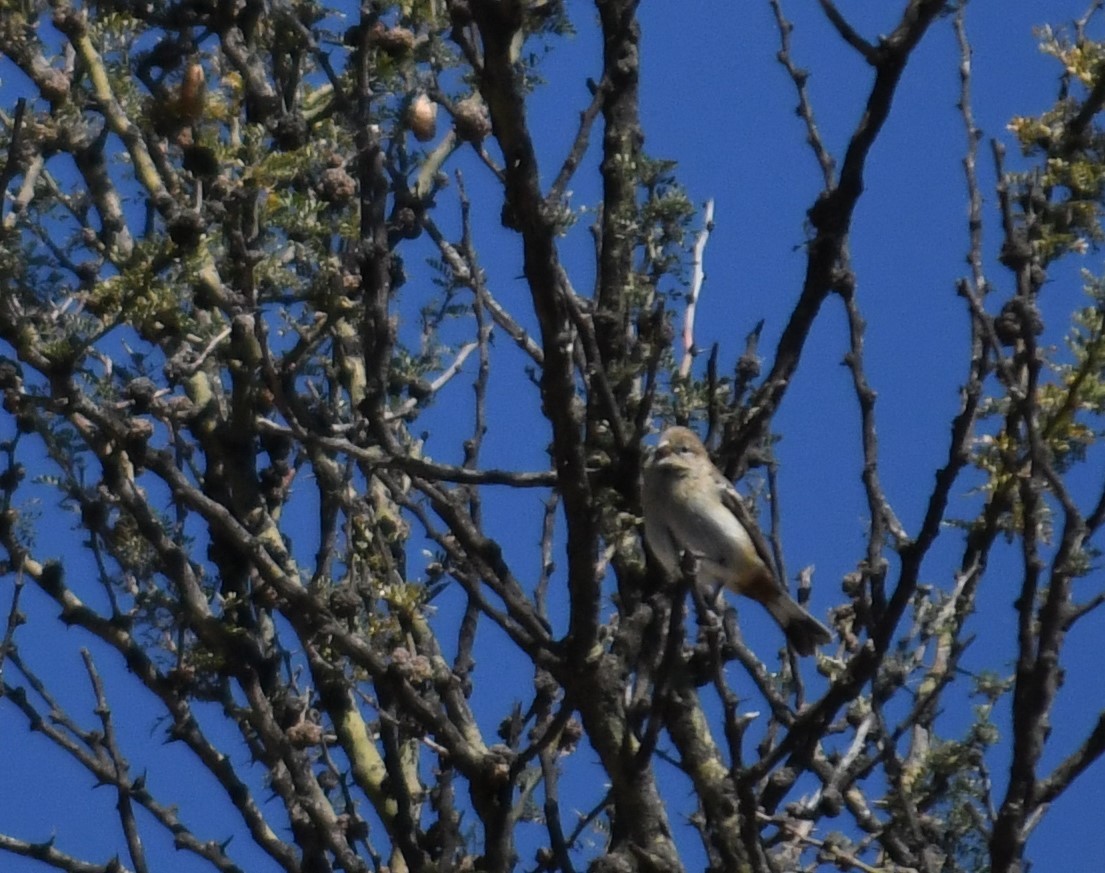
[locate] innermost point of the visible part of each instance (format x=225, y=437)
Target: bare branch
x=1073, y=765
x=800, y=78
x=848, y=33
x=15, y=138
x=46, y=853
x=698, y=277
x=831, y=216
x=579, y=146
x=408, y=406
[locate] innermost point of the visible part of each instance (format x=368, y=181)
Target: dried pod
x=192, y=91
x=337, y=186
x=393, y=40
x=472, y=121
x=422, y=118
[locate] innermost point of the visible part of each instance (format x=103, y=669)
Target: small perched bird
x=690, y=506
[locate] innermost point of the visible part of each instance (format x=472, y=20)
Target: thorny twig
x=119, y=764
x=800, y=78
x=579, y=146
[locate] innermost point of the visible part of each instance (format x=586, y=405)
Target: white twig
x=859, y=743
x=26, y=192
x=196, y=364
x=408, y=405
x=698, y=277
x=800, y=831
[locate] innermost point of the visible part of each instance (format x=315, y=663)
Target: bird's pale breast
x=681, y=517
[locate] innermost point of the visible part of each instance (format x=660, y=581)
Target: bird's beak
x=662, y=451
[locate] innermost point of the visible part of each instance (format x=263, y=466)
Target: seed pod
x=191, y=98
x=393, y=40
x=422, y=118
x=471, y=118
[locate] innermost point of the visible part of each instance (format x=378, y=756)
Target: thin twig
x=411, y=403
x=47, y=854
x=14, y=144
x=586, y=818
x=15, y=619
x=579, y=146
x=122, y=781
x=592, y=364
x=470, y=276
x=848, y=33
x=1092, y=748
x=805, y=108
x=837, y=854
x=560, y=844
x=548, y=529
x=970, y=159
x=431, y=470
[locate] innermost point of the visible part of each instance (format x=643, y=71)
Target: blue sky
x=715, y=100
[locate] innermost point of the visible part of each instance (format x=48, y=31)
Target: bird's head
x=678, y=450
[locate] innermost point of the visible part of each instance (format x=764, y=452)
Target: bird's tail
x=804, y=631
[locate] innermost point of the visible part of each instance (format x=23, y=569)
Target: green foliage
x=1061, y=200
x=666, y=213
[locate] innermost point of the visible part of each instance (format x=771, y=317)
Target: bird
x=689, y=506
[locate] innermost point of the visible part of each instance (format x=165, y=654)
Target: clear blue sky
x=714, y=99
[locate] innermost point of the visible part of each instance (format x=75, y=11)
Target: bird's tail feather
x=803, y=631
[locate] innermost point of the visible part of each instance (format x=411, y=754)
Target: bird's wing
x=735, y=504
